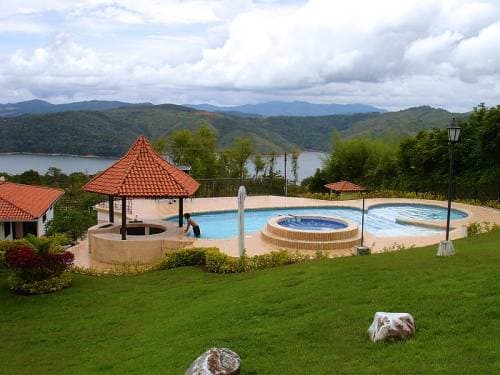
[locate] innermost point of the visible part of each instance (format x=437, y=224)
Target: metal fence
x=224, y=187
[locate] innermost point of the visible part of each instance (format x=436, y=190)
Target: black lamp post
x=446, y=248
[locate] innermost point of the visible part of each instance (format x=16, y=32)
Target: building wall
x=49, y=215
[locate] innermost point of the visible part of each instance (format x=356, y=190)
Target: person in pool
x=192, y=223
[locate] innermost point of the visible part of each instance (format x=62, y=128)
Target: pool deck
x=161, y=209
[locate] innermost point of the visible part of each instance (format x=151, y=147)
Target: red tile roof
x=344, y=186
x=142, y=173
x=25, y=202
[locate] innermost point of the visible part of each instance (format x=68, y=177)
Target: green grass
x=303, y=319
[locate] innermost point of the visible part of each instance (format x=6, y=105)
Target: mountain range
x=37, y=106
x=111, y=132
x=296, y=108
x=267, y=109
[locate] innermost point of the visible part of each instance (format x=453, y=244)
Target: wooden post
x=111, y=208
x=124, y=218
x=181, y=211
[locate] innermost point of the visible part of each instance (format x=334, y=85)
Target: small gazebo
x=344, y=187
x=142, y=173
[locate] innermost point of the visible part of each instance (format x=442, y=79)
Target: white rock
x=391, y=326
x=216, y=361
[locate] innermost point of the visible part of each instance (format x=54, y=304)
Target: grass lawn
x=308, y=318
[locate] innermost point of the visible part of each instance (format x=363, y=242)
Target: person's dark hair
x=187, y=216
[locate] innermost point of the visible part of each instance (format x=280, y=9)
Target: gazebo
x=344, y=187
x=142, y=173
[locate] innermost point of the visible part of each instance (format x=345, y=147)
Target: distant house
x=25, y=209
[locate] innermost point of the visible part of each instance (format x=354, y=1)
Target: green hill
x=110, y=132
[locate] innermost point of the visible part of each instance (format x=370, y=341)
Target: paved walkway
x=160, y=209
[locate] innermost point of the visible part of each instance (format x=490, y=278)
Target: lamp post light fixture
x=446, y=247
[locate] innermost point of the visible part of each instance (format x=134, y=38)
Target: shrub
x=48, y=285
x=475, y=228
x=218, y=262
x=37, y=271
x=6, y=245
x=182, y=258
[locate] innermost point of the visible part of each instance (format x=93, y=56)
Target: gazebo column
x=181, y=211
x=111, y=208
x=124, y=218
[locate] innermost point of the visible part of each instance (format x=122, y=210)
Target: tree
x=295, y=165
x=259, y=164
x=271, y=163
x=74, y=223
x=198, y=149
x=54, y=176
x=238, y=154
x=160, y=145
x=30, y=177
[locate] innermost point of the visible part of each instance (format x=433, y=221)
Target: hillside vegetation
x=309, y=318
x=111, y=132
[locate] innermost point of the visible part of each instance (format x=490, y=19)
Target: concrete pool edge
x=435, y=224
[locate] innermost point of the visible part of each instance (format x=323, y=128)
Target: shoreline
x=69, y=155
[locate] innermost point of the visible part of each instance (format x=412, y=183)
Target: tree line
x=421, y=163
x=198, y=150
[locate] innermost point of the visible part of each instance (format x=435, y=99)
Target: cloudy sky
x=389, y=53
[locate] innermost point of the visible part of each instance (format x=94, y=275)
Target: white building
x=25, y=209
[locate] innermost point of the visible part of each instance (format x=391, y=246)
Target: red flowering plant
x=32, y=266
x=39, y=265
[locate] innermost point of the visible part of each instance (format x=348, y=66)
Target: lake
x=18, y=163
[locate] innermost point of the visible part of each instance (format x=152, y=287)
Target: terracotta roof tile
x=142, y=173
x=25, y=202
x=344, y=186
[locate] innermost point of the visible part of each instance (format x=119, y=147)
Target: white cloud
x=392, y=53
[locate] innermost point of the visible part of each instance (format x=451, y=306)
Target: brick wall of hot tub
x=283, y=237
x=339, y=234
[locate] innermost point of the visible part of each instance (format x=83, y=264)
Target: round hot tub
x=311, y=232
x=312, y=223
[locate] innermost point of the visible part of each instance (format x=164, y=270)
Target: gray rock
x=391, y=326
x=216, y=361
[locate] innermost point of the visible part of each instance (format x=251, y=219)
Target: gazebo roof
x=344, y=186
x=142, y=173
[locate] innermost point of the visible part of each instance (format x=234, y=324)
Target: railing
x=117, y=205
x=223, y=187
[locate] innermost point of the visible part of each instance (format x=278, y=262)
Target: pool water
x=379, y=220
x=311, y=223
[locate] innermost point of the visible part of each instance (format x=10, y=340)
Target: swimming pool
x=380, y=220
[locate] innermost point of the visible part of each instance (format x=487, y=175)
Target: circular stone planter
x=311, y=232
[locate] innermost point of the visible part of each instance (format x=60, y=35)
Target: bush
x=39, y=270
x=182, y=258
x=48, y=285
x=217, y=262
x=475, y=228
x=5, y=245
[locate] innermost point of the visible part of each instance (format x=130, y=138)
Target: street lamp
x=446, y=247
